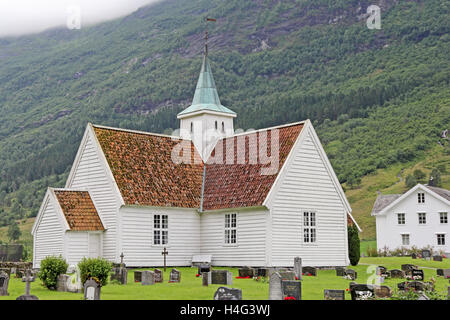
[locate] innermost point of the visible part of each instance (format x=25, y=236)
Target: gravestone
x=74, y=283
x=416, y=274
x=206, y=279
x=437, y=258
x=426, y=254
x=287, y=275
x=119, y=271
x=423, y=297
x=148, y=278
x=159, y=276
x=333, y=294
x=4, y=282
x=352, y=274
x=298, y=267
x=246, y=272
x=407, y=267
x=395, y=273
x=275, y=292
x=383, y=292
x=224, y=293
x=92, y=290
x=340, y=271
x=61, y=282
x=6, y=270
x=362, y=291
x=416, y=285
x=381, y=271
x=137, y=276
x=440, y=272
x=414, y=256
x=175, y=276
x=262, y=272
x=27, y=279
x=221, y=277
x=309, y=271
x=446, y=273
x=203, y=268
x=291, y=288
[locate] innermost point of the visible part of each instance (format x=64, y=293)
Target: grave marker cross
x=28, y=279
x=165, y=253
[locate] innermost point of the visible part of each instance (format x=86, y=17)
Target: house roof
x=444, y=193
x=206, y=97
x=145, y=172
x=79, y=210
x=243, y=185
x=383, y=201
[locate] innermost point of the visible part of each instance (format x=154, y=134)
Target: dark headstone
x=333, y=294
x=224, y=293
x=119, y=273
x=206, y=278
x=362, y=291
x=437, y=258
x=309, y=271
x=158, y=276
x=395, y=273
x=291, y=288
x=352, y=274
x=147, y=278
x=426, y=254
x=4, y=282
x=246, y=272
x=407, y=267
x=383, y=292
x=298, y=267
x=92, y=290
x=262, y=272
x=340, y=271
x=137, y=276
x=275, y=292
x=221, y=277
x=440, y=272
x=417, y=274
x=203, y=268
x=381, y=271
x=175, y=276
x=414, y=256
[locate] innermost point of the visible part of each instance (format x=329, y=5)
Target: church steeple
x=206, y=120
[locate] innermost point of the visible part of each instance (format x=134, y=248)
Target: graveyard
x=190, y=286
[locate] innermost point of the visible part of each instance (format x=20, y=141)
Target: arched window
x=223, y=127
x=215, y=124
x=192, y=127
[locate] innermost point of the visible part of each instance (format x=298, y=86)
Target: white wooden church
x=203, y=191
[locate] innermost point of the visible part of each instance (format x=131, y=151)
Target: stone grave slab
x=92, y=290
x=330, y=294
x=291, y=288
x=175, y=275
x=224, y=293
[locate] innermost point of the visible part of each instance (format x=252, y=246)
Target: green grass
x=365, y=244
x=190, y=287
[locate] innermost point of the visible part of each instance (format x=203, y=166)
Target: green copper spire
x=206, y=97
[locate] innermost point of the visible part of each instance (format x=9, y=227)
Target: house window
x=230, y=228
x=192, y=127
x=440, y=239
x=223, y=127
x=405, y=239
x=401, y=218
x=309, y=227
x=160, y=229
x=215, y=124
x=443, y=217
x=422, y=218
x=421, y=197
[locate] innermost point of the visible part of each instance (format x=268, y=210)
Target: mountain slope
x=378, y=98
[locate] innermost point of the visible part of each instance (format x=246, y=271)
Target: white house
x=256, y=198
x=417, y=218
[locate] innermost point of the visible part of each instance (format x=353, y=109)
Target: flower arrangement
x=197, y=275
x=289, y=298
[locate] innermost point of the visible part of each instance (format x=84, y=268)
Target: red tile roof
x=243, y=185
x=79, y=210
x=144, y=171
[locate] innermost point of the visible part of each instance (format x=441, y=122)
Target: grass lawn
x=191, y=287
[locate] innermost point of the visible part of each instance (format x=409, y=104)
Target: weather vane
x=206, y=33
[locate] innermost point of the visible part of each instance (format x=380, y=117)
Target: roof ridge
x=268, y=128
x=139, y=132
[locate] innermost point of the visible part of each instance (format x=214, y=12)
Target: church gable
x=145, y=172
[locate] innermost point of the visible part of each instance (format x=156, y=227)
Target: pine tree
x=353, y=245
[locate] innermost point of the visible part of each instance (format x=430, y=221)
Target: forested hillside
x=378, y=98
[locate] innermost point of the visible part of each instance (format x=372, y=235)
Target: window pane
x=312, y=219
x=156, y=221
x=306, y=219
x=165, y=222
x=156, y=239
x=443, y=217
x=227, y=221
x=165, y=237
x=233, y=220
x=233, y=236
x=313, y=235
x=306, y=235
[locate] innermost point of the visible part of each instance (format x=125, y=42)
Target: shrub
x=95, y=268
x=353, y=245
x=51, y=268
x=410, y=181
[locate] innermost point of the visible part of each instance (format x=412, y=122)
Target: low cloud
x=19, y=17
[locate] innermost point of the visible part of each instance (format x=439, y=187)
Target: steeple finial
x=206, y=34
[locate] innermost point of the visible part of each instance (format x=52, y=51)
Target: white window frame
x=309, y=227
x=443, y=236
x=403, y=239
x=160, y=228
x=425, y=218
x=443, y=216
x=398, y=218
x=230, y=228
x=421, y=197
